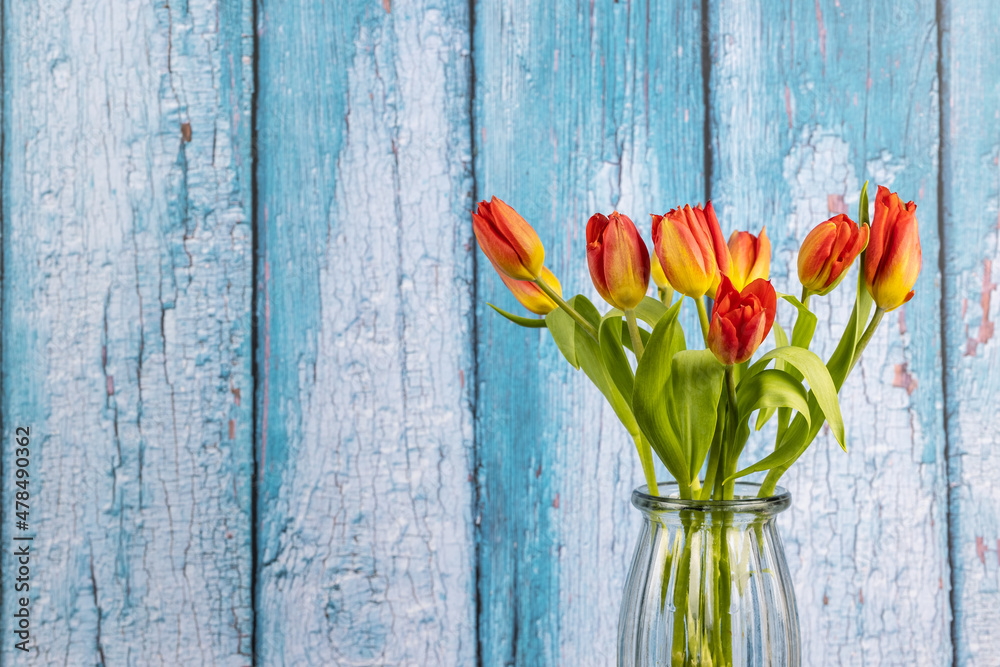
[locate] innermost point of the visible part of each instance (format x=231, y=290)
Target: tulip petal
x=723, y=260
x=680, y=256
x=498, y=250
x=509, y=242
x=530, y=295
x=618, y=260
x=876, y=242
x=893, y=259
x=741, y=320
x=521, y=237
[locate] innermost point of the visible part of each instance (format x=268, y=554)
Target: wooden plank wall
x=801, y=117
x=365, y=537
x=970, y=127
x=273, y=420
x=127, y=256
x=578, y=108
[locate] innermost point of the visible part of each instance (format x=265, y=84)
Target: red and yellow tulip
x=618, y=260
x=530, y=295
x=691, y=249
x=511, y=244
x=751, y=258
x=893, y=258
x=828, y=252
x=656, y=272
x=741, y=320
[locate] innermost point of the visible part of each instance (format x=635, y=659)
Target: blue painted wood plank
x=970, y=113
x=366, y=547
x=579, y=107
x=126, y=331
x=808, y=101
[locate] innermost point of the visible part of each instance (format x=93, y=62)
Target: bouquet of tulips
x=694, y=408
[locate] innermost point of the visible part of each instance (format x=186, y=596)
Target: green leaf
x=840, y=361
x=563, y=330
x=615, y=361
x=771, y=389
x=863, y=206
x=780, y=340
x=591, y=360
x=805, y=323
x=693, y=403
x=527, y=322
x=649, y=310
x=775, y=459
x=651, y=392
x=820, y=382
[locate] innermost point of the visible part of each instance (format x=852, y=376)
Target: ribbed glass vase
x=709, y=584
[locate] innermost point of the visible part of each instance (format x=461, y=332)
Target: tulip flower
x=618, y=260
x=751, y=258
x=691, y=249
x=741, y=320
x=510, y=243
x=892, y=261
x=828, y=252
x=656, y=272
x=530, y=295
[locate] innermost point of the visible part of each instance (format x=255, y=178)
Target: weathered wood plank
x=808, y=101
x=126, y=336
x=971, y=108
x=578, y=108
x=366, y=552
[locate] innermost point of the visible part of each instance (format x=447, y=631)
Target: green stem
x=866, y=338
x=725, y=588
x=806, y=295
x=731, y=394
x=679, y=648
x=726, y=464
x=666, y=295
x=646, y=459
x=633, y=332
x=711, y=470
x=703, y=317
x=720, y=473
x=549, y=292
x=771, y=481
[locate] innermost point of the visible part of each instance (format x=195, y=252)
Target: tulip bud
x=692, y=251
x=828, y=252
x=508, y=241
x=530, y=295
x=892, y=261
x=618, y=260
x=741, y=320
x=656, y=272
x=751, y=258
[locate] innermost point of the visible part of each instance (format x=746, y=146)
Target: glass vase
x=709, y=584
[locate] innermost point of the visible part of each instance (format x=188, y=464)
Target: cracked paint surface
x=127, y=330
x=415, y=506
x=971, y=180
x=865, y=595
x=366, y=553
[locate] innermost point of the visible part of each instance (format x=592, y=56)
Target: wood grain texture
x=971, y=180
x=809, y=100
x=579, y=107
x=366, y=552
x=126, y=331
